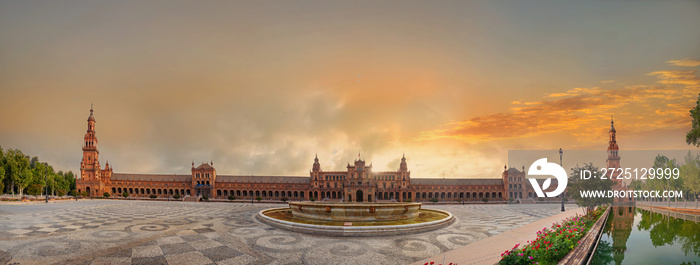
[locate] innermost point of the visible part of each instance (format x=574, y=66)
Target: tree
x=125, y=194
x=690, y=173
x=231, y=197
x=106, y=194
x=15, y=165
x=2, y=170
x=576, y=185
x=25, y=179
x=693, y=136
x=637, y=184
x=664, y=182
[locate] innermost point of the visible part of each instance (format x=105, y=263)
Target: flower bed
x=552, y=244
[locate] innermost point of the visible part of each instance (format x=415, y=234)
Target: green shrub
x=61, y=192
x=485, y=200
x=312, y=199
x=176, y=196
x=258, y=198
x=106, y=194
x=153, y=196
x=73, y=193
x=407, y=200
x=433, y=200
x=284, y=199
x=125, y=194
x=231, y=197
x=204, y=198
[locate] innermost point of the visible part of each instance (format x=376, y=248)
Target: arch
x=182, y=191
x=403, y=196
x=170, y=191
x=474, y=195
x=481, y=195
x=409, y=195
x=177, y=192
x=301, y=194
x=493, y=195
x=358, y=195
x=264, y=193
x=328, y=194
x=87, y=189
x=218, y=192
x=500, y=195
x=142, y=190
x=114, y=190
x=238, y=193
x=461, y=195
x=188, y=192
x=333, y=195
x=131, y=190
x=119, y=189
x=160, y=192
x=296, y=194
x=277, y=193
x=257, y=193
x=245, y=193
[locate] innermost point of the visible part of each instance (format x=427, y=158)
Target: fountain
x=356, y=218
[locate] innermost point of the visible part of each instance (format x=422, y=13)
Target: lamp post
x=561, y=154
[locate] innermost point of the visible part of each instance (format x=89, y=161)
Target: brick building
x=357, y=183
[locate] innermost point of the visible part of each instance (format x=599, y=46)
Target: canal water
x=636, y=236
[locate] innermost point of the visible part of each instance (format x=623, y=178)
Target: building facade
x=357, y=183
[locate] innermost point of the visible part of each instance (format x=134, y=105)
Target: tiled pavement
x=145, y=232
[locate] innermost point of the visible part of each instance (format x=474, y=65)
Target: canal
x=644, y=236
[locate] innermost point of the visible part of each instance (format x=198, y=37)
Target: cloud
x=687, y=62
x=578, y=109
x=682, y=77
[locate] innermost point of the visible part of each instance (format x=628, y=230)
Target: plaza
x=157, y=232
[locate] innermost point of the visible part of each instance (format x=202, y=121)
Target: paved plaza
x=150, y=232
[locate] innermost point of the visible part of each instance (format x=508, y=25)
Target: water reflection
x=636, y=236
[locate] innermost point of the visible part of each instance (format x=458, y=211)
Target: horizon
x=260, y=88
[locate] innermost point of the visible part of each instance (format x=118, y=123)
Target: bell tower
x=613, y=160
x=90, y=165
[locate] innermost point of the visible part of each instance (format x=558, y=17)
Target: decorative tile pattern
x=145, y=232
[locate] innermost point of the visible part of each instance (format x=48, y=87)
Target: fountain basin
x=355, y=212
x=427, y=220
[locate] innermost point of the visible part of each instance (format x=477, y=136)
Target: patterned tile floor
x=145, y=232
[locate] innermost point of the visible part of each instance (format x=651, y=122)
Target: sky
x=261, y=87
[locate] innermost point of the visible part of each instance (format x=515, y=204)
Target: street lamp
x=561, y=154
